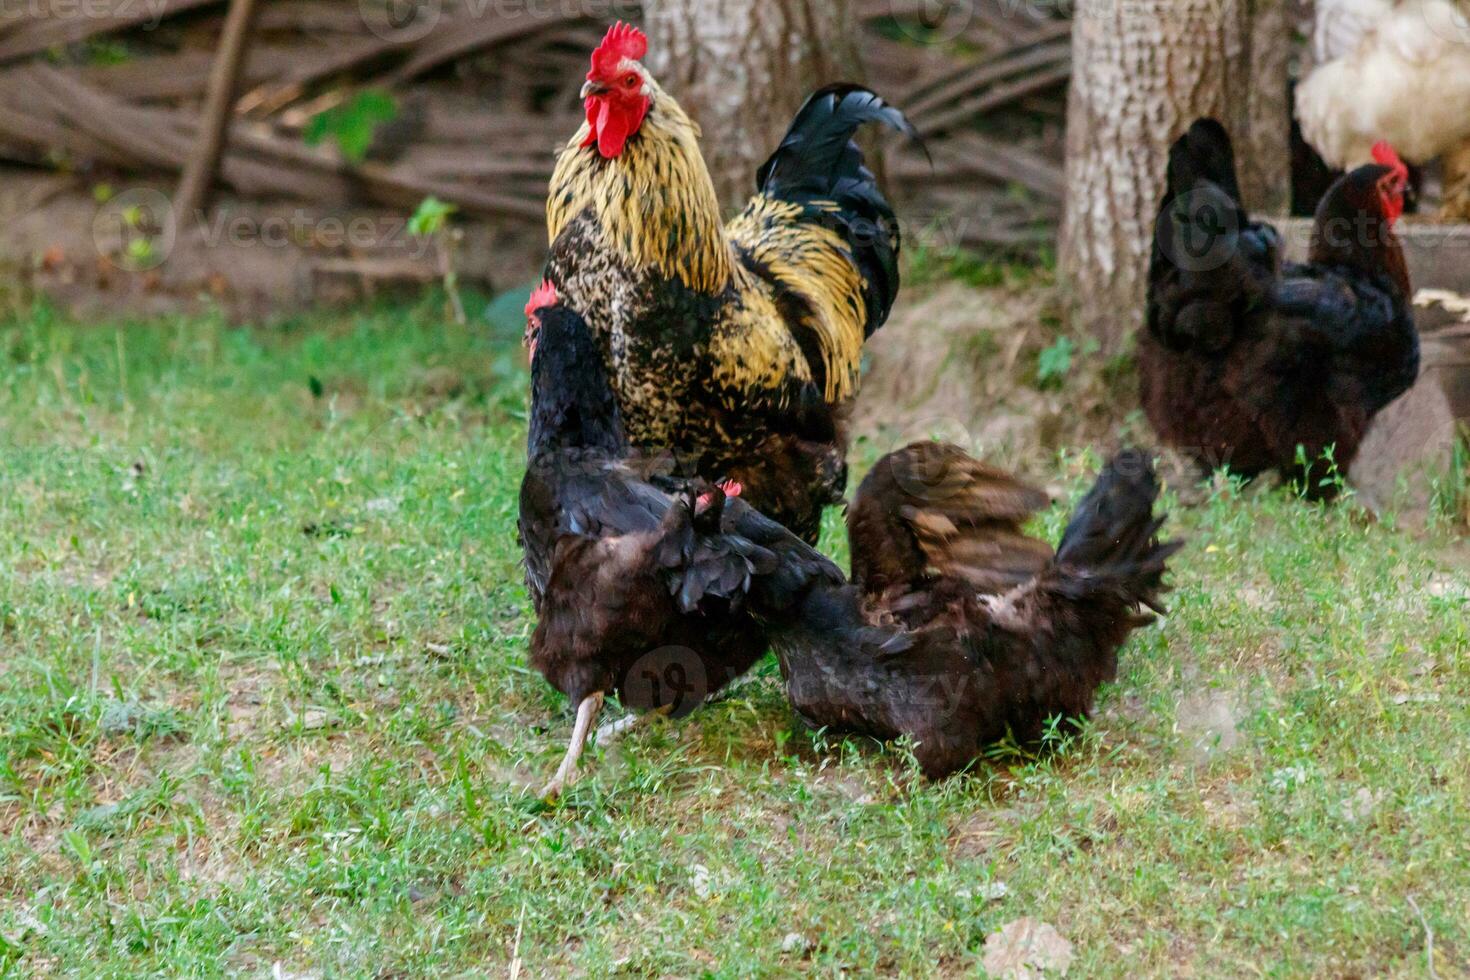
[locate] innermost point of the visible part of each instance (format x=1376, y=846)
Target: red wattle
x=612, y=121
x=612, y=133
x=1393, y=207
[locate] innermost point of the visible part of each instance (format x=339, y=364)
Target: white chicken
x=1396, y=71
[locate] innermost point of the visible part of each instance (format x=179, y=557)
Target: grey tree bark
x=740, y=68
x=1144, y=70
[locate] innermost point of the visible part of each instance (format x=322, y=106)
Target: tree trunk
x=741, y=68
x=1143, y=72
x=1265, y=137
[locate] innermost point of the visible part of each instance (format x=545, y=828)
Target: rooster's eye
x=630, y=80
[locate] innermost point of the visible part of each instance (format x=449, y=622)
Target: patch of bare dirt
x=252, y=259
x=983, y=834
x=960, y=363
x=1208, y=719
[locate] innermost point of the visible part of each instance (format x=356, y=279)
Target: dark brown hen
x=1259, y=365
x=959, y=629
x=638, y=591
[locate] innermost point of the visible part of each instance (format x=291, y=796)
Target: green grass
x=265, y=700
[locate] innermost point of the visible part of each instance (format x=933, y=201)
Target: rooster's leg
x=586, y=715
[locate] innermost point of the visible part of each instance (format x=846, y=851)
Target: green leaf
x=77, y=842
x=431, y=217
x=1055, y=362
x=353, y=123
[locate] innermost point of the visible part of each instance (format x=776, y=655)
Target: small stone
x=382, y=505
x=1410, y=444
x=313, y=719
x=1026, y=950
x=794, y=942
x=994, y=891
x=1361, y=806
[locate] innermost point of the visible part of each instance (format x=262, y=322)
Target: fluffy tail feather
x=1112, y=545
x=702, y=563
x=818, y=164
x=795, y=570
x=1203, y=153
x=818, y=154
x=1210, y=262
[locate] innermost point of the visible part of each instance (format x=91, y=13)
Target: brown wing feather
x=931, y=511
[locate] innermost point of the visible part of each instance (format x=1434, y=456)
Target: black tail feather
x=1203, y=153
x=818, y=164
x=796, y=570
x=1210, y=263
x=1113, y=539
x=817, y=153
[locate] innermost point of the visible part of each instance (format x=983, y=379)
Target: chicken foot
x=587, y=713
x=614, y=731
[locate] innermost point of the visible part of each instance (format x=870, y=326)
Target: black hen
x=1245, y=359
x=960, y=630
x=638, y=591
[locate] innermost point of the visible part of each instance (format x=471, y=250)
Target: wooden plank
x=455, y=39
x=87, y=22
x=185, y=74
x=984, y=73
x=996, y=97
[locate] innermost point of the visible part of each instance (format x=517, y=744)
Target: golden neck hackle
x=655, y=203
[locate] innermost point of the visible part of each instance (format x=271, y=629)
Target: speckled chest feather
x=699, y=322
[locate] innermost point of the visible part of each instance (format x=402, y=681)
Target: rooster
x=737, y=346
x=638, y=591
x=1390, y=70
x=959, y=629
x=1257, y=365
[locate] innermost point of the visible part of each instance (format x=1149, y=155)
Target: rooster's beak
x=593, y=88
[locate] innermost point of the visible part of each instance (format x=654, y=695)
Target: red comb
x=1385, y=155
x=543, y=296
x=622, y=41
x=728, y=489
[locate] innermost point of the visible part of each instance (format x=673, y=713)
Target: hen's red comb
x=1385, y=155
x=622, y=41
x=543, y=296
x=727, y=489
